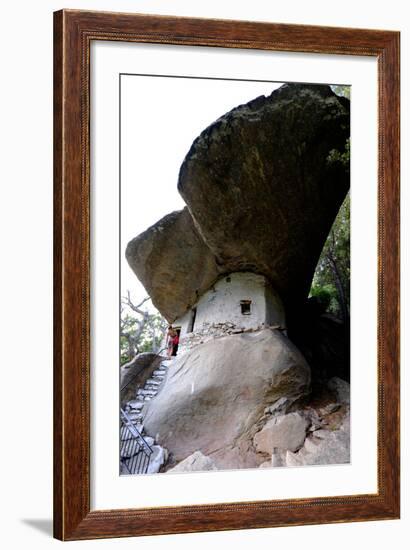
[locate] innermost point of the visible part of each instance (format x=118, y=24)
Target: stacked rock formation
x=262, y=186
x=262, y=192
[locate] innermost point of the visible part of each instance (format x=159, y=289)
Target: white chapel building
x=242, y=300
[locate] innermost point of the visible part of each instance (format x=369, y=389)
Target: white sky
x=160, y=118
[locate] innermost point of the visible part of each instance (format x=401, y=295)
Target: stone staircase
x=134, y=450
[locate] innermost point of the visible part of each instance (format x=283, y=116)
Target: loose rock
x=282, y=432
x=341, y=388
x=197, y=462
x=323, y=447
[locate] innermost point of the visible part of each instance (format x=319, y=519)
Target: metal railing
x=138, y=373
x=135, y=452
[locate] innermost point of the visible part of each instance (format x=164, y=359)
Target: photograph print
x=234, y=305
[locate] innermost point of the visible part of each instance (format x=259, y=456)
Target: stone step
x=159, y=372
x=148, y=392
x=135, y=416
x=152, y=389
x=153, y=381
x=135, y=404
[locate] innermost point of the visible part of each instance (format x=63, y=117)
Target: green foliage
x=336, y=156
x=327, y=297
x=142, y=330
x=129, y=325
x=153, y=333
x=343, y=91
x=331, y=281
x=323, y=294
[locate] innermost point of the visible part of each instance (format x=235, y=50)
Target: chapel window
x=246, y=307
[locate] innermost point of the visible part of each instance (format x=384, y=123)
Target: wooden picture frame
x=73, y=33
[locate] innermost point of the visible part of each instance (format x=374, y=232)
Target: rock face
x=262, y=194
x=341, y=388
x=282, y=432
x=317, y=433
x=324, y=447
x=260, y=187
x=158, y=458
x=173, y=263
x=215, y=394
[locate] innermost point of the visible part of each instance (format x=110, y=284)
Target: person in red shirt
x=175, y=342
x=172, y=341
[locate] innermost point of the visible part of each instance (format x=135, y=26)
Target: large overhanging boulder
x=262, y=188
x=173, y=263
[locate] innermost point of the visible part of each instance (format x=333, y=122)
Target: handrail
x=135, y=431
x=134, y=377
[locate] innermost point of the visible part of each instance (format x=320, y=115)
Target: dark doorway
x=192, y=320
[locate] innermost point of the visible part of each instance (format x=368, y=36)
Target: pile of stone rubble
x=211, y=331
x=312, y=435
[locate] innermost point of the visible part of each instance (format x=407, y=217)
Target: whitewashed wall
x=222, y=304
x=183, y=322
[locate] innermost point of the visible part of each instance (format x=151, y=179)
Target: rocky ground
x=316, y=434
x=241, y=401
x=216, y=394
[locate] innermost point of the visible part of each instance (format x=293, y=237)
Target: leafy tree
x=141, y=330
x=331, y=281
x=341, y=90
x=153, y=333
